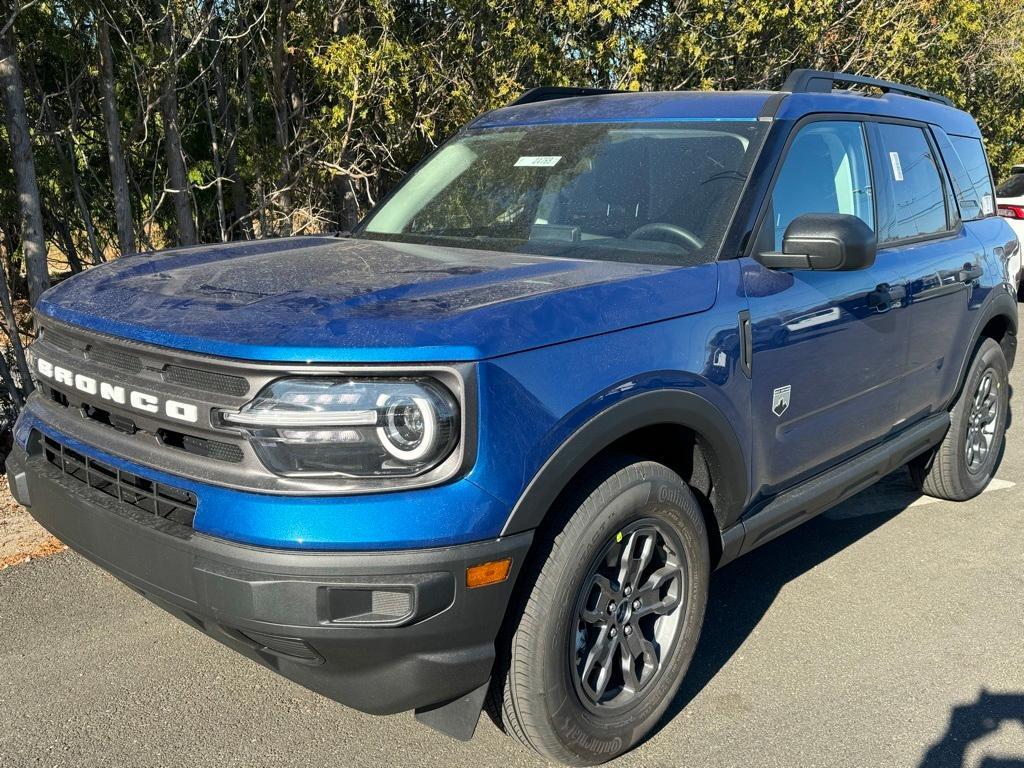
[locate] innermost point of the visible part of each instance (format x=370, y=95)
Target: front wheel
x=610, y=617
x=966, y=460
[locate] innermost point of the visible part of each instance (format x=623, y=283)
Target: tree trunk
x=115, y=154
x=226, y=118
x=281, y=99
x=16, y=399
x=69, y=159
x=245, y=67
x=180, y=193
x=83, y=209
x=15, y=338
x=32, y=237
x=218, y=185
x=65, y=236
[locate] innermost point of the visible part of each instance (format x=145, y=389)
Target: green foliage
x=324, y=105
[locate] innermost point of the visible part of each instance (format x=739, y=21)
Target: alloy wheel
x=981, y=426
x=628, y=616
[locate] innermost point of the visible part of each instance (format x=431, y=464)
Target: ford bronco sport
x=487, y=449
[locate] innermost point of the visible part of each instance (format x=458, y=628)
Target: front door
x=829, y=348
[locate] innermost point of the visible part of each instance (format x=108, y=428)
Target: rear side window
x=825, y=171
x=978, y=181
x=976, y=186
x=1012, y=187
x=913, y=200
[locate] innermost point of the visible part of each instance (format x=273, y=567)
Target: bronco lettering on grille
x=140, y=401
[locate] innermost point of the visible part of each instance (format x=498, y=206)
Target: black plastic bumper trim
x=440, y=651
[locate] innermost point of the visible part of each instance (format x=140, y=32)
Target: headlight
x=350, y=427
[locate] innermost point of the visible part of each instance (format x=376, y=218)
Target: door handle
x=885, y=296
x=970, y=273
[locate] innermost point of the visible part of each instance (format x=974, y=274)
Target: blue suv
x=487, y=449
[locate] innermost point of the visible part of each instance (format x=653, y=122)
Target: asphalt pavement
x=888, y=632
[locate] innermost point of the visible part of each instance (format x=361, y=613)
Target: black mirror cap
x=825, y=241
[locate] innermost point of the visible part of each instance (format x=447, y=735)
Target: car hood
x=325, y=299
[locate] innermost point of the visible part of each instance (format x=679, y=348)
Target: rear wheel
x=609, y=617
x=966, y=460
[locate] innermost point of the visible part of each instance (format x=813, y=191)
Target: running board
x=797, y=505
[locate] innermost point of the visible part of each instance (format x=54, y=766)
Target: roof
x=631, y=107
x=723, y=106
x=951, y=120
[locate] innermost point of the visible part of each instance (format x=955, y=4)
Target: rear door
x=920, y=220
x=829, y=348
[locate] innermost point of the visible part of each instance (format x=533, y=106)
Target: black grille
x=100, y=354
x=200, y=446
x=147, y=495
x=123, y=360
x=61, y=340
x=288, y=646
x=212, y=449
x=220, y=383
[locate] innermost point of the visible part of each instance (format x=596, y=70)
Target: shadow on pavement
x=743, y=591
x=970, y=722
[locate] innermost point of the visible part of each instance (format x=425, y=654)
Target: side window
x=914, y=200
x=825, y=171
x=978, y=183
x=967, y=204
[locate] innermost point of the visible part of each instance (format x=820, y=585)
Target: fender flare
x=1000, y=305
x=676, y=407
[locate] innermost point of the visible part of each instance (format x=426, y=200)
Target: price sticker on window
x=897, y=166
x=538, y=161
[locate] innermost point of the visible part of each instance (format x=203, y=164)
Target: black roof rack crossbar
x=816, y=81
x=550, y=93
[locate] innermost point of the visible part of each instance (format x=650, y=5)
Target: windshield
x=652, y=193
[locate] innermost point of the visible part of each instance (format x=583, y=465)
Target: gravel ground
x=888, y=632
x=21, y=538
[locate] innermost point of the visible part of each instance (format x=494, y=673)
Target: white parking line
x=995, y=485
x=893, y=494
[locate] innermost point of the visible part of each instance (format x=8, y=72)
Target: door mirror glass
x=826, y=241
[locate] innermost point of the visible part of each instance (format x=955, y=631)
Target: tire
x=951, y=471
x=542, y=693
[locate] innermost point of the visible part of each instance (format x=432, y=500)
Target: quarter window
x=914, y=201
x=978, y=184
x=825, y=171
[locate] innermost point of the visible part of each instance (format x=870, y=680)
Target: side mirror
x=827, y=241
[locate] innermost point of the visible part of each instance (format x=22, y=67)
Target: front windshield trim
x=612, y=121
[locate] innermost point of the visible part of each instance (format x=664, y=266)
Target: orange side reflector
x=488, y=573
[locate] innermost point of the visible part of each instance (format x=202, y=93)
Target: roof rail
x=550, y=93
x=817, y=81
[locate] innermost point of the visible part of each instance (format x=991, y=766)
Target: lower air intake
x=147, y=495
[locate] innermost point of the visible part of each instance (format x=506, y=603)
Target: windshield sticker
x=897, y=166
x=986, y=205
x=538, y=161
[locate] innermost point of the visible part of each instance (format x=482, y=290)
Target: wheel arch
x=1002, y=329
x=998, y=321
x=679, y=428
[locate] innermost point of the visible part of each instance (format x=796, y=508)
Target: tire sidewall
x=989, y=357
x=660, y=494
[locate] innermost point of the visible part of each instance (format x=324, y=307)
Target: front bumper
x=381, y=632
